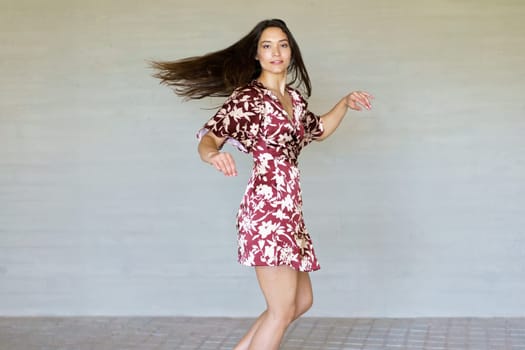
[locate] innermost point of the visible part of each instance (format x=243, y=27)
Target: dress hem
x=277, y=265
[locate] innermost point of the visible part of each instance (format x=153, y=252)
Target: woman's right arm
x=209, y=152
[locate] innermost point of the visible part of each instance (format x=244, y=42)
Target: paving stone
x=185, y=333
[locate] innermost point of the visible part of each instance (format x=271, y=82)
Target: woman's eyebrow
x=269, y=41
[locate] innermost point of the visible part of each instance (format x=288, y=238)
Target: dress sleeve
x=313, y=127
x=238, y=120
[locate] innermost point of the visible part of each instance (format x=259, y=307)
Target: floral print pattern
x=270, y=219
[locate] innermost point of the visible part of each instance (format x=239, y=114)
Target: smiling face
x=273, y=51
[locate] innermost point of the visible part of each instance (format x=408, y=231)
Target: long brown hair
x=219, y=73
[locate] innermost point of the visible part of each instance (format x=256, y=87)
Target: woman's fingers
x=224, y=162
x=357, y=98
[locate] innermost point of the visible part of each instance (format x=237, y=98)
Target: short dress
x=271, y=229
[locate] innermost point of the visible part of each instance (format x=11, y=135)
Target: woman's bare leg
x=304, y=295
x=303, y=302
x=244, y=343
x=279, y=287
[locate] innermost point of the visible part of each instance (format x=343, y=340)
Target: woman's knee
x=304, y=296
x=303, y=304
x=283, y=315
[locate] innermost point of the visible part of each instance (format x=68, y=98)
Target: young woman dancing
x=264, y=115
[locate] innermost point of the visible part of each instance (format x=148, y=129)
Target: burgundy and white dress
x=270, y=219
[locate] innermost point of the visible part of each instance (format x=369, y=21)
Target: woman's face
x=273, y=51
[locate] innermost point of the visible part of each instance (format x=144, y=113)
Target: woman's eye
x=266, y=46
x=284, y=45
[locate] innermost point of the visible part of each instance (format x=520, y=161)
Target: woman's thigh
x=279, y=285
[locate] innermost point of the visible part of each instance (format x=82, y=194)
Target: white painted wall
x=417, y=208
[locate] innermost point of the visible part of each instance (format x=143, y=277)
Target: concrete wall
x=417, y=208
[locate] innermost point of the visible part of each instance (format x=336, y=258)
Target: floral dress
x=271, y=229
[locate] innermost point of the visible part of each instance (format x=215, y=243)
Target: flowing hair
x=218, y=73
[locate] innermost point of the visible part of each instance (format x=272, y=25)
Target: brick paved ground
x=178, y=333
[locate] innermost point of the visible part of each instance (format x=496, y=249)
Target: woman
x=265, y=116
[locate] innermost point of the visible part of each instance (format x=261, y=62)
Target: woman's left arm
x=355, y=100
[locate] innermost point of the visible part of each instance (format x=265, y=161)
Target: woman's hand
x=356, y=99
x=223, y=162
x=208, y=148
